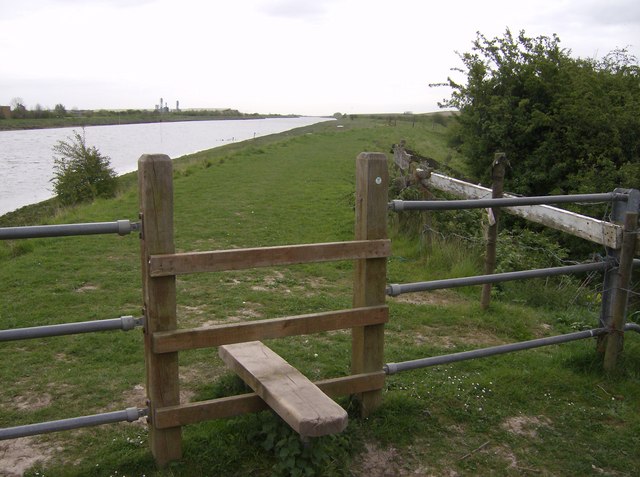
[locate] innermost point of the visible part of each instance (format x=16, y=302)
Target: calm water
x=26, y=158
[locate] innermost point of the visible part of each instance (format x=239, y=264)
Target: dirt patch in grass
x=506, y=454
x=452, y=337
x=190, y=311
x=18, y=455
x=378, y=462
x=195, y=376
x=389, y=462
x=31, y=402
x=86, y=287
x=249, y=310
x=525, y=426
x=436, y=297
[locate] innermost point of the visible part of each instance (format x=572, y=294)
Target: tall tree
x=566, y=124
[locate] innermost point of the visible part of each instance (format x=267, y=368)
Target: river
x=26, y=157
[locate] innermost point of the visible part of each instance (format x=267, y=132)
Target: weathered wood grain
x=240, y=259
x=288, y=392
x=204, y=337
x=369, y=287
x=155, y=185
x=594, y=230
x=194, y=412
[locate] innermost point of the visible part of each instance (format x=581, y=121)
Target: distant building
x=5, y=112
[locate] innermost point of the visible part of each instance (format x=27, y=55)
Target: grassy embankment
x=543, y=412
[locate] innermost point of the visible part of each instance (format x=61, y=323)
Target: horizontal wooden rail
x=205, y=337
x=588, y=228
x=241, y=259
x=192, y=413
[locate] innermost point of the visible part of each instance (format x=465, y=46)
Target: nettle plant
x=299, y=457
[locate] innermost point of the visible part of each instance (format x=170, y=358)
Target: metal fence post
x=372, y=183
x=615, y=337
x=155, y=180
x=499, y=163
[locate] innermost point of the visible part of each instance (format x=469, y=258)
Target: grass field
x=546, y=412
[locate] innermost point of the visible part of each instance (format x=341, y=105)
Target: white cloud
x=271, y=56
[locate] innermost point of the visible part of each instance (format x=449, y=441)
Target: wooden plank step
x=298, y=401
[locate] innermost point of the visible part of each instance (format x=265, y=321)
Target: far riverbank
x=111, y=118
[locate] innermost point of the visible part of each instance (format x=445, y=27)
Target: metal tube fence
x=400, y=205
x=124, y=323
x=632, y=327
x=120, y=227
x=393, y=368
x=130, y=414
x=396, y=289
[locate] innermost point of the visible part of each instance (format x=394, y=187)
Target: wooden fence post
x=497, y=174
x=155, y=185
x=369, y=289
x=615, y=325
x=611, y=276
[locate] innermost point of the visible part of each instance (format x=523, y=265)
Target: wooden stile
x=216, y=261
x=205, y=337
x=288, y=392
x=194, y=412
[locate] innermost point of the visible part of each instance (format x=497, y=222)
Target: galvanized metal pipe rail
x=400, y=205
x=120, y=227
x=393, y=368
x=632, y=327
x=130, y=414
x=124, y=323
x=396, y=289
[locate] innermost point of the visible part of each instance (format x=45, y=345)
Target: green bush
x=81, y=173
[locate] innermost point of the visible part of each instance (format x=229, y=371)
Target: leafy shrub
x=321, y=456
x=81, y=173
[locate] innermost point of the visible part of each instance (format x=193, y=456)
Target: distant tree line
x=18, y=110
x=567, y=125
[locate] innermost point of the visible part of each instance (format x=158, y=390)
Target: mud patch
x=18, y=455
x=525, y=426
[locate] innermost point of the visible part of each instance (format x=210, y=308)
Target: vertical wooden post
x=155, y=185
x=611, y=277
x=615, y=337
x=497, y=174
x=369, y=289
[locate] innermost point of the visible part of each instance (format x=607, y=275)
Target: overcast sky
x=273, y=56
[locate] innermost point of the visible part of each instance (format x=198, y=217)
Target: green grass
x=549, y=411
